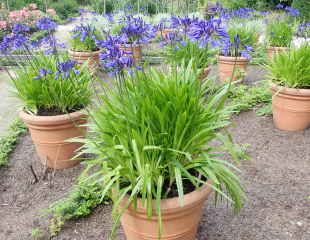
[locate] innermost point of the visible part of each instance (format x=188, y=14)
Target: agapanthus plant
x=303, y=30
x=83, y=38
x=241, y=41
x=113, y=58
x=47, y=84
x=134, y=30
x=280, y=32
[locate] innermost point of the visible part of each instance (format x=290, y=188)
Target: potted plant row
x=54, y=91
x=157, y=163
x=290, y=76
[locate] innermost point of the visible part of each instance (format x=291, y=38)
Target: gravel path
x=276, y=180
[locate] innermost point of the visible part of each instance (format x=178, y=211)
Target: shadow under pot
x=271, y=51
x=92, y=59
x=232, y=68
x=50, y=135
x=133, y=50
x=290, y=108
x=178, y=222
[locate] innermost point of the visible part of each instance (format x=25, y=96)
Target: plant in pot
x=54, y=90
x=135, y=32
x=290, y=76
x=83, y=46
x=152, y=134
x=236, y=51
x=279, y=34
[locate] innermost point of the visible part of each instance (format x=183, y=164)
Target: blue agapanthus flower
x=207, y=31
x=13, y=42
x=65, y=68
x=136, y=30
x=20, y=28
x=84, y=31
x=292, y=11
x=236, y=48
x=46, y=23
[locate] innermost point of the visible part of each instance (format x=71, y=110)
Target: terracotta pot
x=226, y=66
x=291, y=108
x=271, y=51
x=178, y=222
x=164, y=32
x=204, y=74
x=50, y=134
x=133, y=50
x=83, y=57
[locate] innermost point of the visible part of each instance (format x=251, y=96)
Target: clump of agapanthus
x=289, y=10
x=83, y=38
x=234, y=47
x=114, y=60
x=134, y=30
x=242, y=13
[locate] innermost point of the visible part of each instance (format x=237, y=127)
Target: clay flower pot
x=82, y=57
x=226, y=66
x=271, y=51
x=178, y=222
x=133, y=50
x=164, y=32
x=50, y=134
x=291, y=108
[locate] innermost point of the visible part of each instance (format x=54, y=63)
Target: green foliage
x=8, y=142
x=102, y=6
x=152, y=132
x=52, y=92
x=304, y=7
x=245, y=97
x=189, y=51
x=280, y=32
x=292, y=68
x=234, y=4
x=65, y=8
x=83, y=198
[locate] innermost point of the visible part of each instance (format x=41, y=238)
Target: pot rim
x=71, y=51
x=51, y=120
x=289, y=91
x=172, y=204
x=277, y=48
x=222, y=58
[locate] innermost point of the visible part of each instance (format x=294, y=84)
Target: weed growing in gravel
x=79, y=203
x=244, y=97
x=8, y=142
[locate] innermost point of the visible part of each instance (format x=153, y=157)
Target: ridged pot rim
x=277, y=48
x=129, y=45
x=88, y=53
x=172, y=205
x=229, y=59
x=51, y=120
x=290, y=91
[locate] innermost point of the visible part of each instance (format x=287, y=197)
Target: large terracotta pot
x=227, y=65
x=82, y=57
x=291, y=108
x=178, y=222
x=133, y=50
x=50, y=134
x=271, y=51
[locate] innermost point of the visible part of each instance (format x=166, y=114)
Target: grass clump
x=8, y=142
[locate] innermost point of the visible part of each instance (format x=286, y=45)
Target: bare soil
x=277, y=182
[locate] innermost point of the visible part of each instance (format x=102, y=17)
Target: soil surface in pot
x=276, y=180
x=54, y=111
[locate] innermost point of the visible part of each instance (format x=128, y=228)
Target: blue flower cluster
x=46, y=24
x=136, y=31
x=114, y=59
x=84, y=31
x=290, y=10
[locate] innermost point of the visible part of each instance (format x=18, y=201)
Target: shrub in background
x=66, y=8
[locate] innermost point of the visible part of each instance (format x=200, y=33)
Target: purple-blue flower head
x=46, y=24
x=20, y=28
x=64, y=68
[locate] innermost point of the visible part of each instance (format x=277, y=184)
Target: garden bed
x=276, y=180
